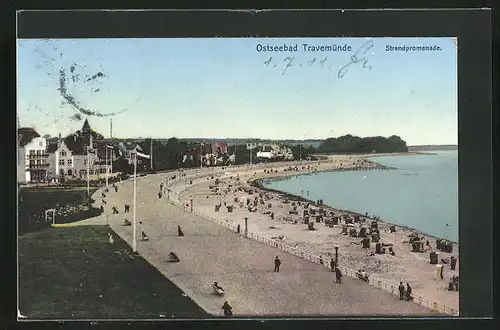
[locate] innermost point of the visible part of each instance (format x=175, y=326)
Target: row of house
x=209, y=154
x=41, y=160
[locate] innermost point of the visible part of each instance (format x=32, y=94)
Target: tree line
x=356, y=144
x=169, y=155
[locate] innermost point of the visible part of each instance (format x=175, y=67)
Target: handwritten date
x=357, y=58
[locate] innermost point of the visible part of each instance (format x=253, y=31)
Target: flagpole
x=91, y=145
x=134, y=244
x=151, y=163
x=112, y=150
x=107, y=169
x=88, y=178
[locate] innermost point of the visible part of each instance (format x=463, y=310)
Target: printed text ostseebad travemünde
x=303, y=47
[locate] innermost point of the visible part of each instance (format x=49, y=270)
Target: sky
x=226, y=88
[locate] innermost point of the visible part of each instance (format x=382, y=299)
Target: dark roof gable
x=76, y=144
x=86, y=126
x=51, y=148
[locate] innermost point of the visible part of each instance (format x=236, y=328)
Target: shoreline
x=383, y=154
x=258, y=183
x=376, y=166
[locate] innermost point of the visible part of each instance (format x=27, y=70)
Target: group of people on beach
x=405, y=294
x=334, y=268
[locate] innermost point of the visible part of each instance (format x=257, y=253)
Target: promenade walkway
x=209, y=252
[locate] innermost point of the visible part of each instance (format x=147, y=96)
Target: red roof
x=26, y=134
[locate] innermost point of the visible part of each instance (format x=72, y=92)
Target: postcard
x=188, y=178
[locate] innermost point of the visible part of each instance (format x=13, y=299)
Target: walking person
x=179, y=231
x=227, y=309
x=338, y=275
x=453, y=263
x=456, y=281
x=401, y=291
x=277, y=264
x=408, y=292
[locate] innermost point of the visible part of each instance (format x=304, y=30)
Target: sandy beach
x=236, y=185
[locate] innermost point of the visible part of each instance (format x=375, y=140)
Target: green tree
x=62, y=176
x=122, y=165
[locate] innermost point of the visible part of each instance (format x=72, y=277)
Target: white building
x=36, y=160
x=32, y=161
x=65, y=163
x=275, y=152
x=68, y=158
x=72, y=164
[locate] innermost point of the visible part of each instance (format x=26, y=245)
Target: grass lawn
x=76, y=273
x=52, y=195
x=34, y=200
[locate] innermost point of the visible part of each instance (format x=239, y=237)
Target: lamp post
x=201, y=156
x=336, y=255
x=134, y=242
x=88, y=175
x=151, y=152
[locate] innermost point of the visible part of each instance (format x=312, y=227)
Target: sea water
x=421, y=193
